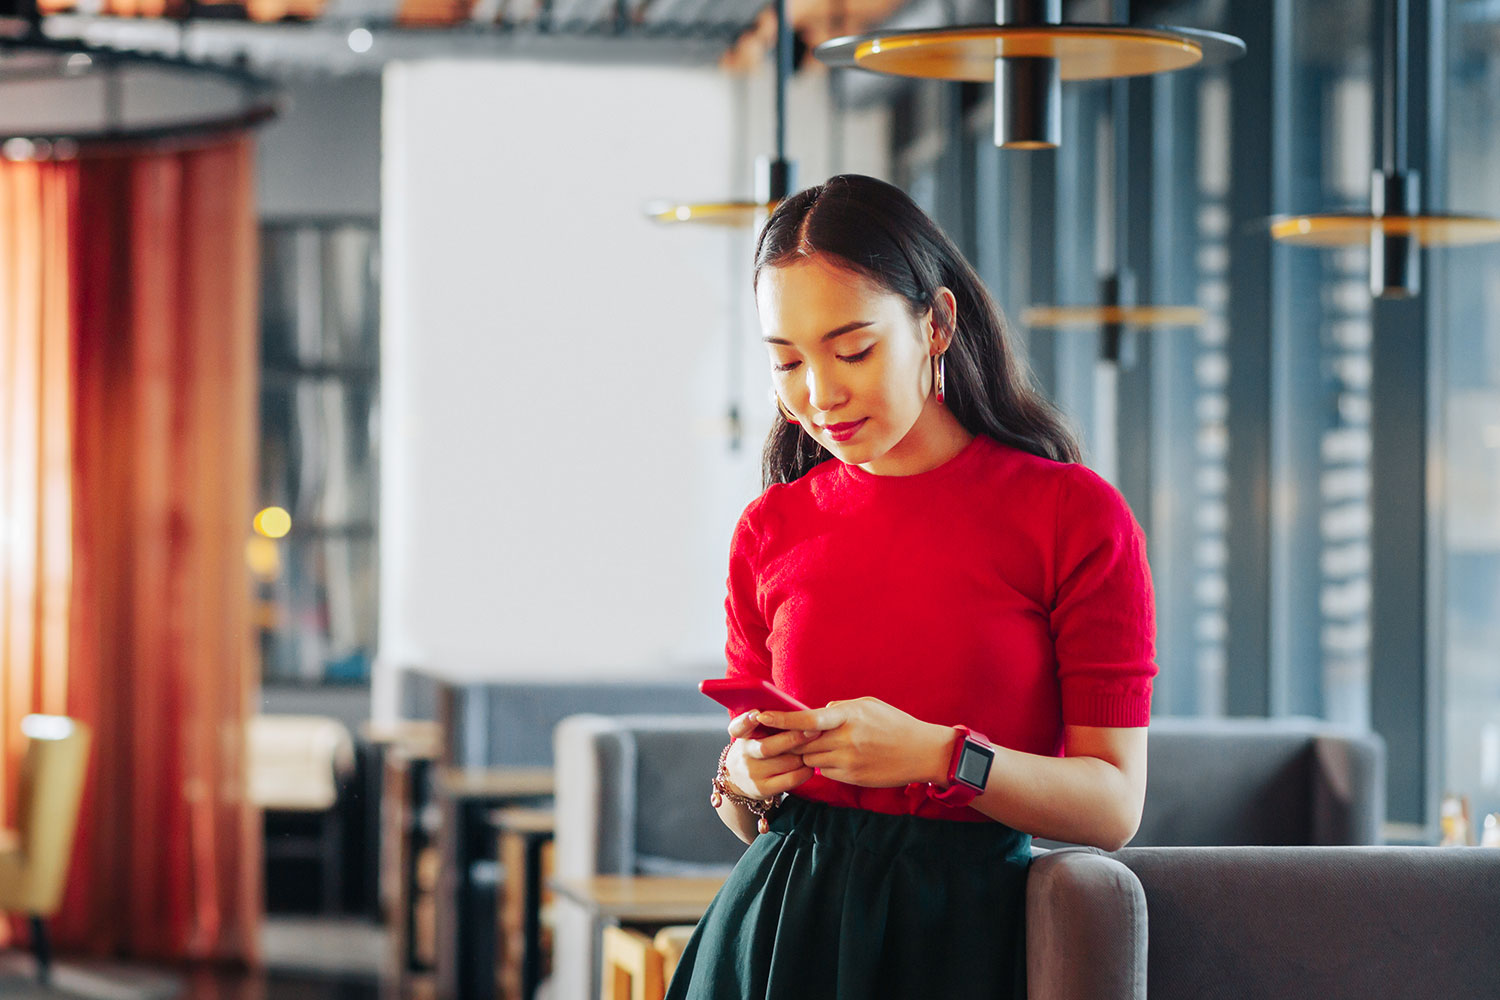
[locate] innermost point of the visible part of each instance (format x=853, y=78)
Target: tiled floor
x=323, y=946
x=282, y=986
x=306, y=959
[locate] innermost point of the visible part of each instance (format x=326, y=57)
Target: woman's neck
x=934, y=439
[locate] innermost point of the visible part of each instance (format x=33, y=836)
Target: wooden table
x=498, y=783
x=466, y=917
x=646, y=902
x=408, y=855
x=641, y=900
x=525, y=851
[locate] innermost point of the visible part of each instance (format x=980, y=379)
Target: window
x=316, y=587
x=1466, y=353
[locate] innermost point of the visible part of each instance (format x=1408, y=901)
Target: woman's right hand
x=767, y=767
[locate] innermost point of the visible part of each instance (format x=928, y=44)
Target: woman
x=968, y=607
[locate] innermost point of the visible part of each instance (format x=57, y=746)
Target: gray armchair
x=1235, y=923
x=1259, y=782
x=632, y=798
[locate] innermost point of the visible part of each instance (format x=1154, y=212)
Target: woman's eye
x=857, y=358
x=786, y=367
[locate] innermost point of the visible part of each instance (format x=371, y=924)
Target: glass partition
x=316, y=585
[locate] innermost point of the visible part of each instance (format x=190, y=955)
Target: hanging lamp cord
x=1394, y=83
x=783, y=72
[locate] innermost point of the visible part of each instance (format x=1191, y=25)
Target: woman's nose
x=824, y=391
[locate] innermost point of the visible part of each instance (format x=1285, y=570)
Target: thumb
x=743, y=725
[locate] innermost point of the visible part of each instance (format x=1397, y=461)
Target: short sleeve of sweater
x=745, y=650
x=1104, y=615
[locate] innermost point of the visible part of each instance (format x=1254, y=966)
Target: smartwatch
x=968, y=770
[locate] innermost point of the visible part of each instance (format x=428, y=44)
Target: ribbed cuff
x=1111, y=707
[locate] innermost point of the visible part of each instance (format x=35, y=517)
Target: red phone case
x=741, y=695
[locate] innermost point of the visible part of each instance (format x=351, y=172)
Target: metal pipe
x=1028, y=11
x=1395, y=261
x=1028, y=91
x=783, y=73
x=1028, y=103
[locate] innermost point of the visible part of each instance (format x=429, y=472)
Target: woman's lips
x=843, y=432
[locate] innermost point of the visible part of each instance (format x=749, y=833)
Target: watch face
x=974, y=765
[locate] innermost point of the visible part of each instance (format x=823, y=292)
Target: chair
x=34, y=857
x=1249, y=781
x=296, y=765
x=628, y=800
x=632, y=799
x=1234, y=923
x=632, y=966
x=637, y=967
x=671, y=942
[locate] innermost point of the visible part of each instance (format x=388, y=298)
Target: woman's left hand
x=869, y=743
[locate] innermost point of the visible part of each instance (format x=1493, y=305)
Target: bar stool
x=637, y=967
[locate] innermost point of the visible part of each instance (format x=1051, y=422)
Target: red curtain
x=151, y=261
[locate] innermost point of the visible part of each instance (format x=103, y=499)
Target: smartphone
x=746, y=694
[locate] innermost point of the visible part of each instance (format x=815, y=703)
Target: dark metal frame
x=262, y=102
x=1406, y=424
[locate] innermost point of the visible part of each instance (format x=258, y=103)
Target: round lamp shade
x=1093, y=316
x=712, y=213
x=1334, y=229
x=58, y=97
x=1082, y=51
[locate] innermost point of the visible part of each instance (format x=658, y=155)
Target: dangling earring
x=785, y=413
x=937, y=378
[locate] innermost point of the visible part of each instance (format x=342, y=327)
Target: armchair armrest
x=1348, y=789
x=1085, y=928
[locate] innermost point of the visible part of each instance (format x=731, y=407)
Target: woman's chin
x=852, y=452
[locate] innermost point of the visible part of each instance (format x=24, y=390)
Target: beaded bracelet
x=722, y=791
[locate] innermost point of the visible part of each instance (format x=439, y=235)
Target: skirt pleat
x=854, y=905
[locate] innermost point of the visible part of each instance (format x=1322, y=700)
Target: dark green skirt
x=854, y=905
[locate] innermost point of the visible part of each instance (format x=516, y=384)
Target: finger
x=785, y=742
x=757, y=781
x=777, y=765
x=825, y=742
x=743, y=725
x=830, y=717
x=823, y=760
x=757, y=749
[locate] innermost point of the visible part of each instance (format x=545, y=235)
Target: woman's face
x=848, y=358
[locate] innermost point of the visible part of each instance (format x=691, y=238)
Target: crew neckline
x=967, y=452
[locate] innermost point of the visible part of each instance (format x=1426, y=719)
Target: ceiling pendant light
x=1395, y=228
x=1027, y=53
x=774, y=177
x=1119, y=314
x=101, y=97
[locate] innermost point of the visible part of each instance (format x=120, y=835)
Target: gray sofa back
x=1244, y=923
x=1320, y=922
x=1260, y=782
x=510, y=723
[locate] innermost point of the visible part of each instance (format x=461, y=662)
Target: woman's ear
x=942, y=320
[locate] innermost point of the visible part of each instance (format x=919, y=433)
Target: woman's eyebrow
x=858, y=324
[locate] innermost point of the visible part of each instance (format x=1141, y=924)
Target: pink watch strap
x=957, y=793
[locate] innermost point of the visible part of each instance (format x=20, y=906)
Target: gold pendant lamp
x=106, y=97
x=1119, y=314
x=1395, y=228
x=775, y=177
x=1027, y=53
x=1117, y=317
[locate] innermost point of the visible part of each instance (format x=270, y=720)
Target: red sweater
x=1001, y=591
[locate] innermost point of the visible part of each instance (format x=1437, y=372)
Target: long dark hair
x=874, y=229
